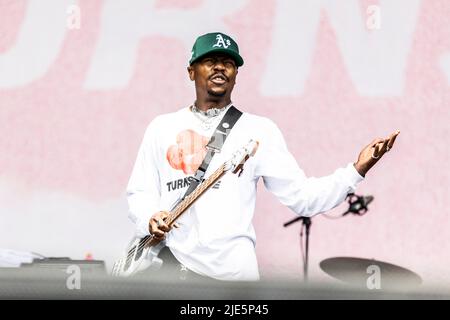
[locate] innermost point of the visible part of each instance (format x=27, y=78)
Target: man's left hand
x=373, y=152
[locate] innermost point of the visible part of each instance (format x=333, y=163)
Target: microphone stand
x=306, y=223
x=357, y=205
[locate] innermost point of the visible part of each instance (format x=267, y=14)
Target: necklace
x=208, y=117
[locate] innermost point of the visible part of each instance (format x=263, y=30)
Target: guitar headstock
x=236, y=163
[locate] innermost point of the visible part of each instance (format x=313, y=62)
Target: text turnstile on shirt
x=214, y=145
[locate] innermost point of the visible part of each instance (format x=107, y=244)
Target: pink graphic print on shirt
x=188, y=153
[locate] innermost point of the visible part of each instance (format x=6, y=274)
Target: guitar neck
x=191, y=198
x=187, y=202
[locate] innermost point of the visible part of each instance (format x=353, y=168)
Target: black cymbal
x=370, y=273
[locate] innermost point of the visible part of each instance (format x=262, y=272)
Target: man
x=216, y=237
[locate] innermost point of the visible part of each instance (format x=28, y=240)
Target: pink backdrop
x=80, y=80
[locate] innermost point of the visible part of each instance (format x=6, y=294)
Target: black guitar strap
x=214, y=146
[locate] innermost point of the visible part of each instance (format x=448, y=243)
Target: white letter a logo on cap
x=221, y=42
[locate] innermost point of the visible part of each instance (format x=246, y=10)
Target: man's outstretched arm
x=308, y=196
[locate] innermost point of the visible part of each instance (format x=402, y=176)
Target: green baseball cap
x=215, y=42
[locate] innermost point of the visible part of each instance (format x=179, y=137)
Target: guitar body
x=140, y=256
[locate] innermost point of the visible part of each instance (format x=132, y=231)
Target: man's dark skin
x=215, y=76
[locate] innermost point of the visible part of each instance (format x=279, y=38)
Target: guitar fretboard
x=188, y=201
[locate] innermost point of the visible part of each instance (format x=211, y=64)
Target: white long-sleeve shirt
x=216, y=237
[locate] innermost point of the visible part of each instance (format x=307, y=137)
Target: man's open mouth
x=218, y=79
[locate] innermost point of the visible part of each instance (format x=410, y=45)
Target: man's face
x=214, y=74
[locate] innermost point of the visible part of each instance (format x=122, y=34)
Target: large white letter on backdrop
x=124, y=25
x=38, y=43
x=375, y=59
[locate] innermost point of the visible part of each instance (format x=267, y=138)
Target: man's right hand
x=158, y=227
